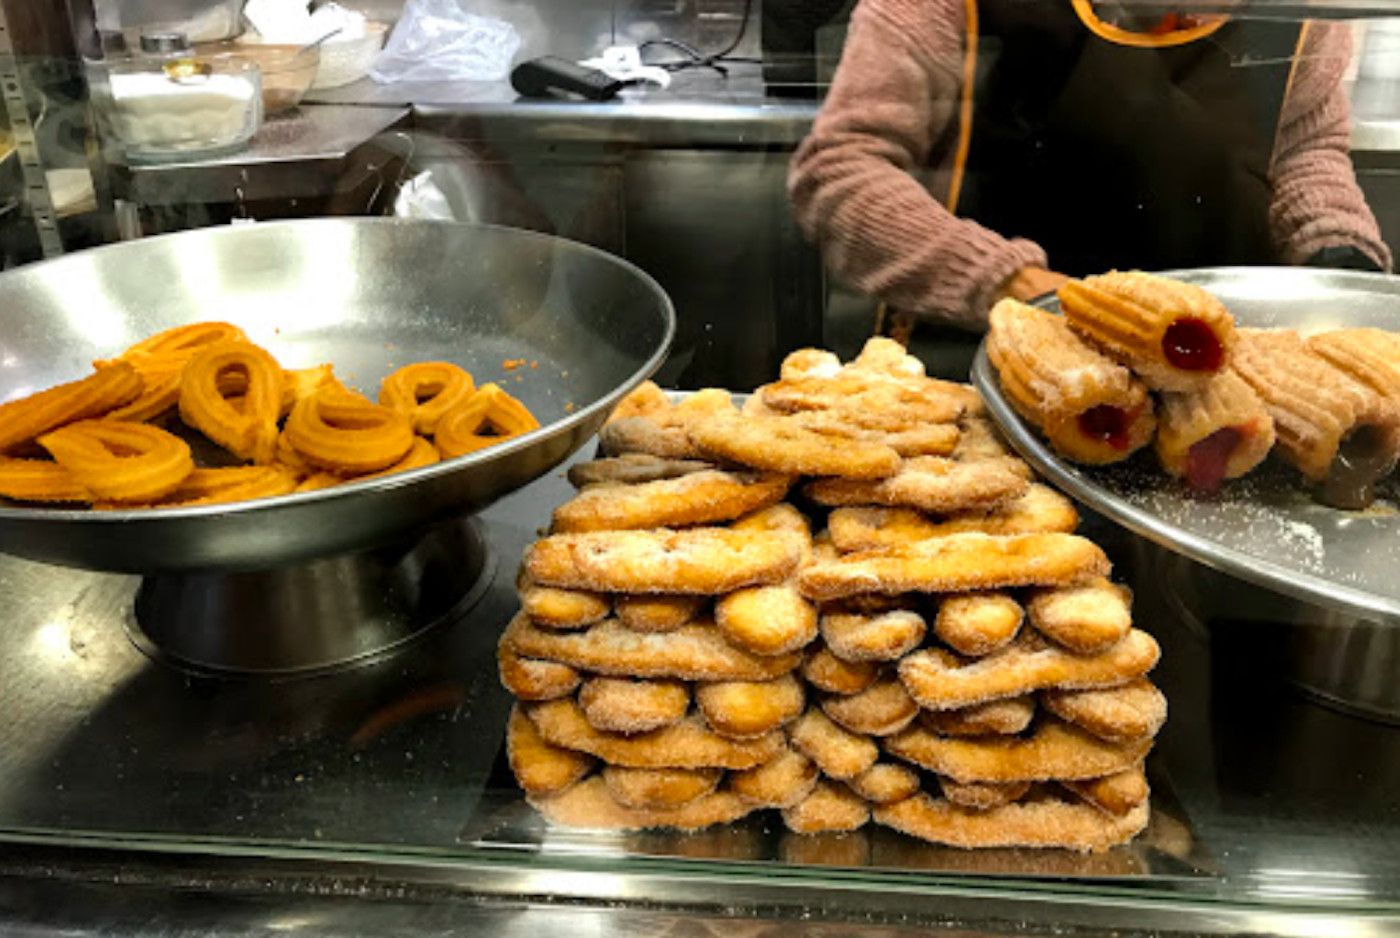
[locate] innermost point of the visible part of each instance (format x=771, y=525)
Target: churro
x=688, y=744
x=705, y=561
x=26, y=419
x=1053, y=750
x=1090, y=408
x=1135, y=710
x=119, y=461
x=767, y=620
x=541, y=769
x=928, y=483
x=882, y=636
x=885, y=783
x=487, y=417
x=346, y=434
x=652, y=612
x=1040, y=822
x=780, y=782
x=982, y=796
x=1002, y=717
x=1115, y=794
x=425, y=391
x=694, y=652
x=978, y=623
x=749, y=709
x=697, y=498
x=248, y=430
x=958, y=563
x=882, y=709
x=557, y=608
x=1040, y=510
x=838, y=752
x=777, y=444
x=632, y=469
x=940, y=680
x=830, y=807
x=659, y=789
x=533, y=679
x=826, y=672
x=1175, y=335
x=1219, y=431
x=39, y=480
x=1088, y=619
x=589, y=804
x=624, y=705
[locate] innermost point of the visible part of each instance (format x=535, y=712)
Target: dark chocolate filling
x=1362, y=460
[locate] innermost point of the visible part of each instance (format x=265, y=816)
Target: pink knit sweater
x=866, y=183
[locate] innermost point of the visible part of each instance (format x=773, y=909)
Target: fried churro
x=1053, y=750
x=624, y=705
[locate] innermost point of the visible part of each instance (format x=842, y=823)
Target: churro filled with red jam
x=1338, y=432
x=1220, y=432
x=1090, y=408
x=1175, y=335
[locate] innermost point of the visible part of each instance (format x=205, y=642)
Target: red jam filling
x=1208, y=458
x=1191, y=345
x=1106, y=423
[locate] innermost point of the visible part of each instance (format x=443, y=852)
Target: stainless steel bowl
x=367, y=295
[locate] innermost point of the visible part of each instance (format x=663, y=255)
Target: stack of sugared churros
x=688, y=652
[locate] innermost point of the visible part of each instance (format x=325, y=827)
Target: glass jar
x=169, y=103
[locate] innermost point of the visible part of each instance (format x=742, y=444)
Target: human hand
x=1031, y=282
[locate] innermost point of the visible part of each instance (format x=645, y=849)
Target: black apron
x=1112, y=156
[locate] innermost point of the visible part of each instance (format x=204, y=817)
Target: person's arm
x=852, y=181
x=1318, y=212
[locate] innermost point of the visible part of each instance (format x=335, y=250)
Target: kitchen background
x=687, y=182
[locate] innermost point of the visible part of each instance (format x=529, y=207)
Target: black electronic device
x=550, y=75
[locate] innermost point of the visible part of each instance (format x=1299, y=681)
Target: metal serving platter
x=1263, y=528
x=579, y=327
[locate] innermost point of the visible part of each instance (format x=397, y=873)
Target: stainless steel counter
x=138, y=800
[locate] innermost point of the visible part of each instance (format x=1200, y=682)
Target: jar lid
x=158, y=43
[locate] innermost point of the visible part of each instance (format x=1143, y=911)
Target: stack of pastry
x=1223, y=396
x=687, y=652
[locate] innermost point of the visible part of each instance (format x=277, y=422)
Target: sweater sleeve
x=853, y=181
x=1317, y=203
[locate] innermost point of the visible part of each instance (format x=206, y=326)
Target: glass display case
x=288, y=714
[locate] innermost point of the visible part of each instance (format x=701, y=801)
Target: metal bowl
x=368, y=295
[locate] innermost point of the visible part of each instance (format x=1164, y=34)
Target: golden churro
x=26, y=419
x=1175, y=335
x=688, y=744
x=881, y=636
x=624, y=705
x=982, y=796
x=541, y=769
x=1219, y=431
x=882, y=709
x=697, y=498
x=996, y=717
x=978, y=623
x=659, y=789
x=940, y=680
x=119, y=461
x=425, y=392
x=826, y=672
x=632, y=469
x=767, y=620
x=1040, y=822
x=780, y=782
x=1088, y=619
x=777, y=444
x=749, y=709
x=249, y=429
x=694, y=652
x=830, y=807
x=1040, y=510
x=705, y=561
x=838, y=752
x=1135, y=710
x=557, y=608
x=651, y=612
x=38, y=480
x=1053, y=750
x=885, y=783
x=1115, y=794
x=1336, y=431
x=958, y=563
x=928, y=483
x=1090, y=408
x=533, y=679
x=487, y=417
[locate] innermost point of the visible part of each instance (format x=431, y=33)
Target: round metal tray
x=1263, y=528
x=367, y=295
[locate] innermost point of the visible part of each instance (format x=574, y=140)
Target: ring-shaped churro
x=484, y=419
x=38, y=480
x=348, y=435
x=26, y=419
x=119, y=461
x=426, y=391
x=248, y=431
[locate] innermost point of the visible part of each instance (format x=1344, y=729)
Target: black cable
x=694, y=58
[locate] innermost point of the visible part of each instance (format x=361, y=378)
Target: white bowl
x=347, y=60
